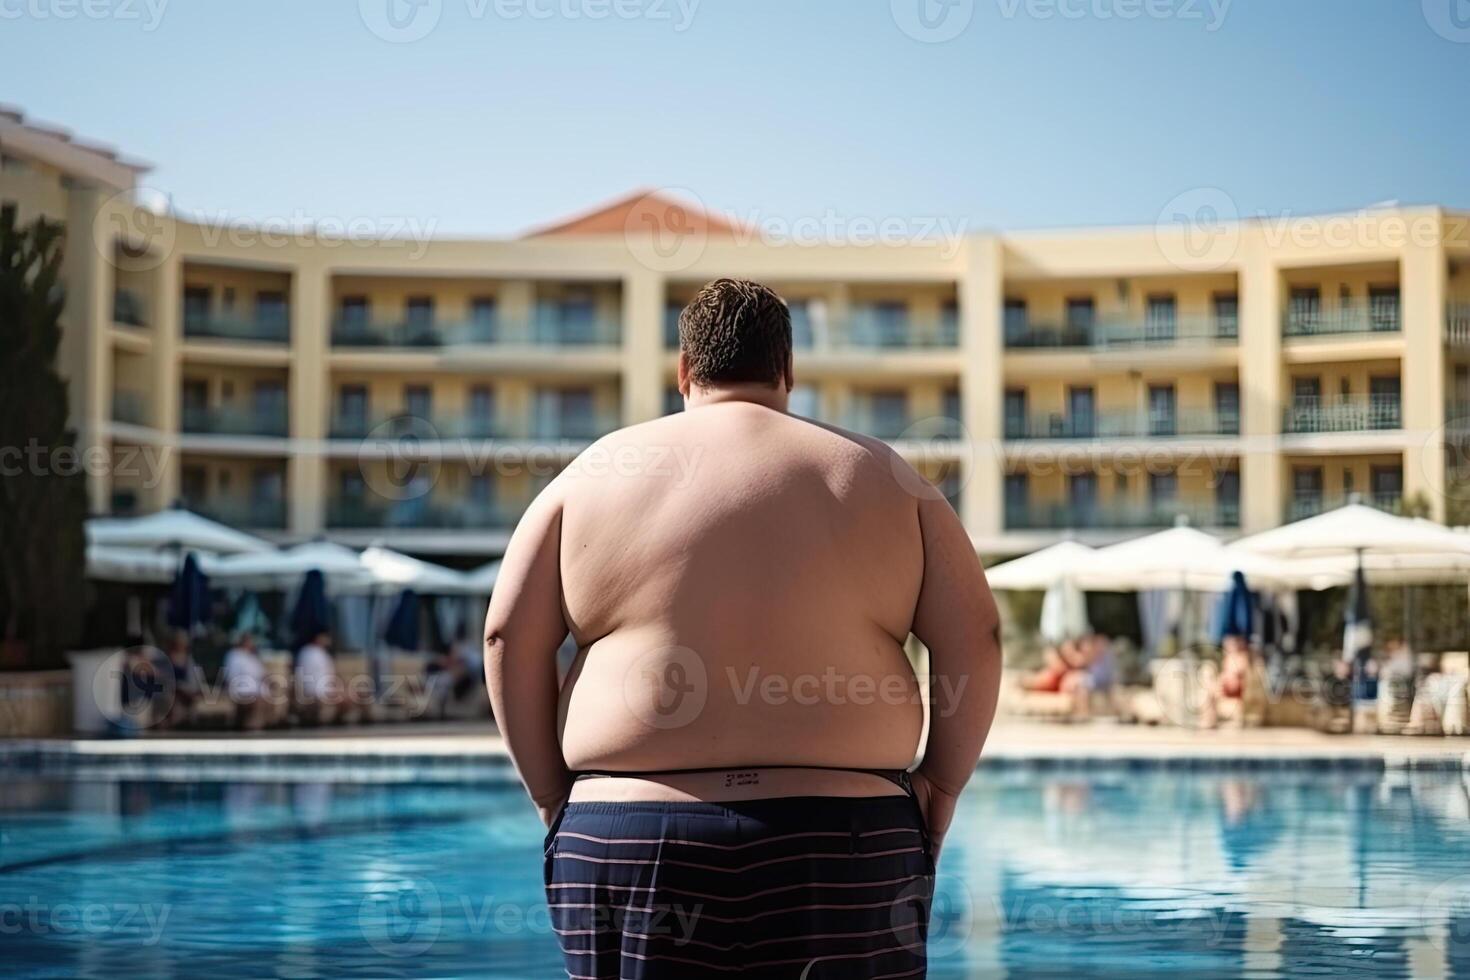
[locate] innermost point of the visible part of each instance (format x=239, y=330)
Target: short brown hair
x=733, y=331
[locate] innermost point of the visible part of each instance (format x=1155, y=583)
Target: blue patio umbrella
x=1235, y=615
x=403, y=627
x=312, y=614
x=188, y=597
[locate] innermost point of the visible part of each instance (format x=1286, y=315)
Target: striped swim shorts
x=815, y=888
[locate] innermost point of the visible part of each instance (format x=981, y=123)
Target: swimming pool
x=1048, y=872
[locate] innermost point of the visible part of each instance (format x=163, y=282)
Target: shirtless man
x=724, y=769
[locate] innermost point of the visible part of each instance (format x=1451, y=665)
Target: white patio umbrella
x=341, y=567
x=1387, y=547
x=1040, y=569
x=1063, y=612
x=482, y=580
x=395, y=570
x=135, y=565
x=1188, y=559
x=177, y=529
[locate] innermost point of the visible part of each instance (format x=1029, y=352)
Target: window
x=889, y=413
x=352, y=410
x=267, y=485
x=1161, y=418
x=671, y=324
x=1082, y=497
x=1081, y=419
x=1015, y=322
x=195, y=395
x=227, y=299
x=951, y=408
x=577, y=415
x=1015, y=413
x=1227, y=315
x=270, y=309
x=352, y=486
x=418, y=401
x=196, y=307
x=1017, y=498
x=482, y=319
x=194, y=485
x=1387, y=485
x=354, y=313
x=1227, y=408
x=1163, y=492
x=1383, y=308
x=802, y=333
x=1227, y=498
x=1304, y=315
x=1081, y=315
x=268, y=405
x=1384, y=401
x=576, y=320
x=1306, y=491
x=482, y=412
x=419, y=311
x=1161, y=319
x=674, y=402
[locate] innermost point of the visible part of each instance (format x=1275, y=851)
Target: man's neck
x=771, y=396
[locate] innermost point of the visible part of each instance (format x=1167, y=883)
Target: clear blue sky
x=497, y=120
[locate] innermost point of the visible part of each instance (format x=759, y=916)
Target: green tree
x=43, y=495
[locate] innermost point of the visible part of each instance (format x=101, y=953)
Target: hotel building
x=1091, y=384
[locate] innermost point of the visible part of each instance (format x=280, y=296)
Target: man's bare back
x=746, y=581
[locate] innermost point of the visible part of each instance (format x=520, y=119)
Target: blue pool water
x=1283, y=873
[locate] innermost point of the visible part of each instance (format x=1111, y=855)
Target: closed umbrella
x=188, y=597
x=1235, y=615
x=1064, y=612
x=312, y=613
x=403, y=627
x=1357, y=631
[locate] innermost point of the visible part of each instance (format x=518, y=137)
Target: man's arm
x=523, y=629
x=957, y=621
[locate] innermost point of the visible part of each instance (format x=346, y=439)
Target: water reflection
x=1108, y=871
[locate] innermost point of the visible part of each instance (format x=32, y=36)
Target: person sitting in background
x=1225, y=693
x=184, y=684
x=244, y=678
x=1056, y=664
x=316, y=688
x=454, y=673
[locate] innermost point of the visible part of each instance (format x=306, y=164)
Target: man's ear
x=683, y=376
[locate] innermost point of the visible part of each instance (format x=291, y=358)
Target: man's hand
x=937, y=808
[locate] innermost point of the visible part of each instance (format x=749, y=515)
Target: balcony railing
x=1123, y=334
x=1123, y=425
x=1348, y=318
x=262, y=512
x=130, y=407
x=1354, y=413
x=547, y=328
x=1457, y=324
x=1310, y=505
x=231, y=421
x=127, y=308
x=403, y=425
x=866, y=330
x=421, y=514
x=263, y=328
x=1070, y=516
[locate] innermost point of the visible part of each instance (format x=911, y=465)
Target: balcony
x=1457, y=324
x=1066, y=516
x=1353, y=413
x=548, y=327
x=1378, y=317
x=264, y=327
x=420, y=514
x=1303, y=506
x=267, y=513
x=130, y=407
x=1123, y=425
x=404, y=425
x=1107, y=334
x=231, y=421
x=872, y=329
x=127, y=308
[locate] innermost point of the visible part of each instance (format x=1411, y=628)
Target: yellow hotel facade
x=418, y=391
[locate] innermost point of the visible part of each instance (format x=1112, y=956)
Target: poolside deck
x=459, y=745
